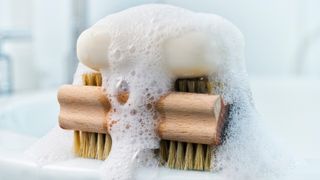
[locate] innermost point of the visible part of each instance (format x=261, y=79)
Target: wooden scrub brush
x=191, y=155
x=88, y=143
x=190, y=126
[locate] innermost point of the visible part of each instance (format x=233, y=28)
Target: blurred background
x=37, y=37
x=37, y=55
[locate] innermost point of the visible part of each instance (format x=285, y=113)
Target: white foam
x=140, y=58
x=53, y=147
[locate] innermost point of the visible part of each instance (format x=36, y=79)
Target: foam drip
x=136, y=60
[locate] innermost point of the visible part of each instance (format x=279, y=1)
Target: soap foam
x=53, y=147
x=137, y=63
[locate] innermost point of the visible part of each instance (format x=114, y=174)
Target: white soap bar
x=92, y=48
x=191, y=55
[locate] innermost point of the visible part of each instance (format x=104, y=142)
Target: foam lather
x=186, y=117
x=142, y=51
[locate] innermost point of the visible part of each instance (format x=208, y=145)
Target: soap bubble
x=122, y=86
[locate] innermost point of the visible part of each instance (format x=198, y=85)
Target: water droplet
x=122, y=86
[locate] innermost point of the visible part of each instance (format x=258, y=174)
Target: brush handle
x=83, y=108
x=191, y=117
x=186, y=117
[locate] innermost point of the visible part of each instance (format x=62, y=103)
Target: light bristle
x=207, y=160
x=90, y=144
x=84, y=143
x=172, y=154
x=187, y=156
x=210, y=86
x=199, y=158
x=100, y=146
x=180, y=156
x=98, y=79
x=91, y=80
x=107, y=146
x=92, y=149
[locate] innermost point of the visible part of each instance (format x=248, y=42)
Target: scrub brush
x=90, y=144
x=190, y=124
x=188, y=156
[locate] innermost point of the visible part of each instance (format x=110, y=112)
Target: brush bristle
x=107, y=146
x=89, y=144
x=92, y=149
x=100, y=146
x=180, y=155
x=188, y=156
x=76, y=143
x=208, y=158
x=172, y=155
x=199, y=158
x=163, y=151
x=175, y=155
x=84, y=143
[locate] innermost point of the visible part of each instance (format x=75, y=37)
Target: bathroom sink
x=289, y=107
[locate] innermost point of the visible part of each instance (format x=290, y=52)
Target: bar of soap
x=92, y=48
x=189, y=55
x=192, y=54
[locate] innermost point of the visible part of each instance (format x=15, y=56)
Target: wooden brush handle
x=191, y=117
x=83, y=108
x=186, y=117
